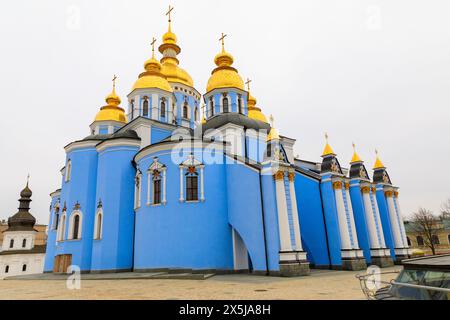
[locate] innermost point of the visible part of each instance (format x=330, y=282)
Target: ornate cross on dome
x=272, y=121
x=153, y=47
x=114, y=82
x=354, y=146
x=248, y=84
x=169, y=13
x=326, y=137
x=28, y=179
x=222, y=39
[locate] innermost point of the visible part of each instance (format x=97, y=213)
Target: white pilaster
x=298, y=238
x=164, y=200
x=202, y=189
x=154, y=108
x=400, y=217
x=394, y=222
x=149, y=200
x=181, y=185
x=283, y=222
x=378, y=220
x=352, y=218
x=371, y=226
x=342, y=217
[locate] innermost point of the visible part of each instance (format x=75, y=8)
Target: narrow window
x=409, y=241
x=56, y=219
x=419, y=241
x=24, y=268
x=163, y=108
x=435, y=239
x=225, y=105
x=6, y=269
x=156, y=190
x=24, y=243
x=98, y=226
x=145, y=107
x=196, y=114
x=211, y=107
x=192, y=187
x=240, y=105
x=76, y=226
x=68, y=170
x=185, y=111
x=11, y=243
x=132, y=109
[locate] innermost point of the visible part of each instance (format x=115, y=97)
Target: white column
x=400, y=217
x=342, y=218
x=154, y=107
x=298, y=238
x=181, y=185
x=352, y=218
x=169, y=111
x=149, y=201
x=283, y=222
x=164, y=187
x=394, y=222
x=378, y=220
x=371, y=226
x=202, y=189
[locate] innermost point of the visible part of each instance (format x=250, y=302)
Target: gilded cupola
x=224, y=75
x=170, y=64
x=253, y=111
x=112, y=111
x=152, y=77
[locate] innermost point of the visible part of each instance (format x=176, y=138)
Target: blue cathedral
x=173, y=179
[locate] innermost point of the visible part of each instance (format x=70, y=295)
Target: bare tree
x=445, y=209
x=426, y=225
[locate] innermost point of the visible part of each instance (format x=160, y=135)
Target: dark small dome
x=26, y=192
x=23, y=220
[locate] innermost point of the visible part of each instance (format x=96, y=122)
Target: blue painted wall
x=359, y=214
x=51, y=237
x=158, y=134
x=385, y=221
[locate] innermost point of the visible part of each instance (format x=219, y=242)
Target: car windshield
x=423, y=278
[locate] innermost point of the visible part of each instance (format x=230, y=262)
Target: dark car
x=425, y=278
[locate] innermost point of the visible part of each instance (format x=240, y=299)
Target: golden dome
x=328, y=151
x=152, y=77
x=224, y=76
x=273, y=134
x=253, y=111
x=112, y=111
x=378, y=164
x=170, y=69
x=355, y=157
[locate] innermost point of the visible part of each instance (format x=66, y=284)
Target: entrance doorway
x=62, y=263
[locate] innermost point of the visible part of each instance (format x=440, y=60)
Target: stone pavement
x=321, y=284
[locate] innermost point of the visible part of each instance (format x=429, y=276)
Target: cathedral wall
x=80, y=189
x=245, y=211
x=183, y=234
x=385, y=221
x=311, y=219
x=115, y=190
x=159, y=134
x=51, y=236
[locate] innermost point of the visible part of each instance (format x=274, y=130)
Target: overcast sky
x=373, y=72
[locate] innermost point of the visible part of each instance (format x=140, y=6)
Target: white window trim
x=61, y=227
x=98, y=234
x=67, y=174
x=222, y=97
x=137, y=190
x=156, y=165
x=192, y=162
x=72, y=225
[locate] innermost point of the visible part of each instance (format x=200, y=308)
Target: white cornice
x=120, y=142
x=80, y=145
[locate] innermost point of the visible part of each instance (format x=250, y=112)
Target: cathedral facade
x=177, y=180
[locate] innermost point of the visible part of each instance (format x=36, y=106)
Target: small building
x=441, y=238
x=23, y=246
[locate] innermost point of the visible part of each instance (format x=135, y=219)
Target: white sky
x=373, y=72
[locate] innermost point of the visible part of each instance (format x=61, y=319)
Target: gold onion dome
x=170, y=64
x=253, y=111
x=273, y=134
x=153, y=76
x=328, y=151
x=224, y=76
x=378, y=164
x=112, y=111
x=355, y=158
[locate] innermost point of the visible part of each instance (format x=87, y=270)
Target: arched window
x=420, y=242
x=68, y=170
x=196, y=114
x=132, y=109
x=6, y=269
x=145, y=107
x=435, y=239
x=62, y=227
x=156, y=183
x=211, y=107
x=11, y=243
x=24, y=243
x=24, y=268
x=191, y=180
x=56, y=219
x=225, y=104
x=448, y=238
x=185, y=111
x=163, y=108
x=98, y=225
x=192, y=184
x=75, y=226
x=156, y=187
x=409, y=241
x=240, y=105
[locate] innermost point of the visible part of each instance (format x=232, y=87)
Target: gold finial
x=378, y=164
x=328, y=150
x=248, y=84
x=222, y=39
x=355, y=157
x=153, y=47
x=326, y=137
x=28, y=179
x=354, y=146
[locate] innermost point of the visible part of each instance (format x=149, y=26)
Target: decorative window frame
x=68, y=173
x=240, y=105
x=161, y=168
x=137, y=189
x=211, y=107
x=56, y=217
x=60, y=233
x=98, y=233
x=76, y=212
x=188, y=111
x=163, y=102
x=224, y=96
x=185, y=165
x=144, y=100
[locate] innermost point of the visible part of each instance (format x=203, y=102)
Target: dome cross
x=222, y=39
x=247, y=83
x=169, y=13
